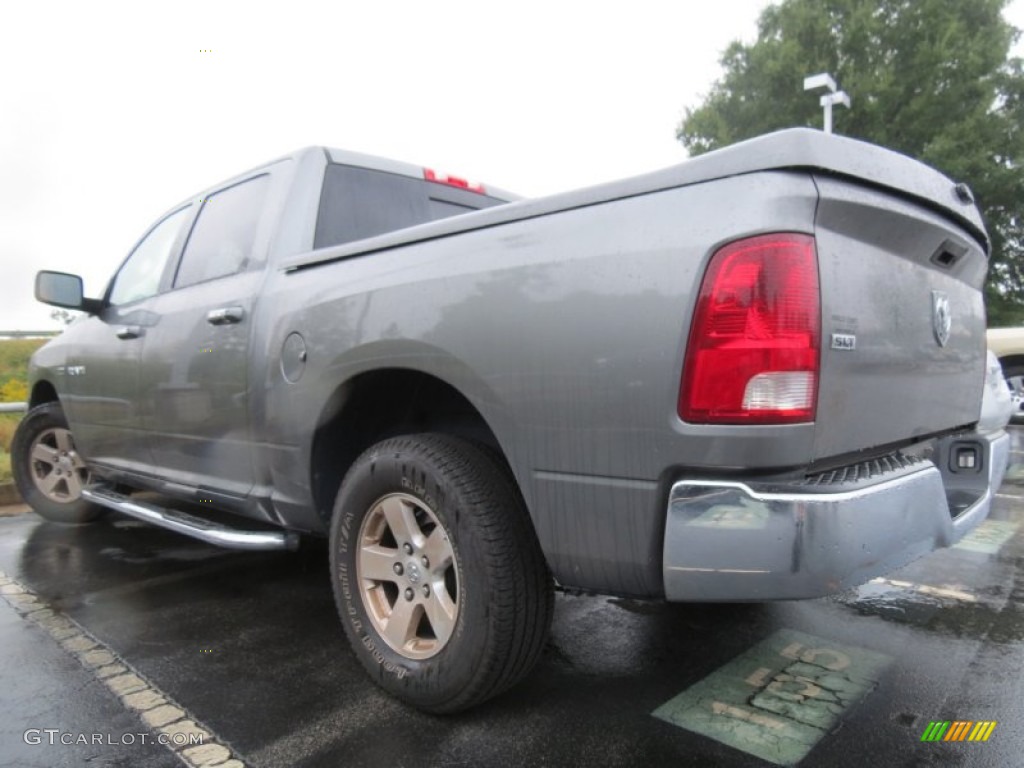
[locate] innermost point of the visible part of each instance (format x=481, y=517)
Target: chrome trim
x=795, y=497
x=731, y=541
x=942, y=317
x=190, y=525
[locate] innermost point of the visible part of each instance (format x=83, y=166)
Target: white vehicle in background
x=1008, y=346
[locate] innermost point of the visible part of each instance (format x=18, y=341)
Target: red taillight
x=752, y=356
x=452, y=181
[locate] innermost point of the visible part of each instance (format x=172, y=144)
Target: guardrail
x=8, y=492
x=28, y=334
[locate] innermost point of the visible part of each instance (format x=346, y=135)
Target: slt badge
x=942, y=317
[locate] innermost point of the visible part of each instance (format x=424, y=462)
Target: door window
x=222, y=239
x=139, y=276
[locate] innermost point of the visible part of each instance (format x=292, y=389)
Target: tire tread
x=521, y=596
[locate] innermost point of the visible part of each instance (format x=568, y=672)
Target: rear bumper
x=735, y=541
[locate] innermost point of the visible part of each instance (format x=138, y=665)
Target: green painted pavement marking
x=1014, y=474
x=746, y=514
x=777, y=700
x=988, y=537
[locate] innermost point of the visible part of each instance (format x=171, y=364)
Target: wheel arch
x=42, y=392
x=383, y=403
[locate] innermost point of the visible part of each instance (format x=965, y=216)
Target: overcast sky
x=111, y=112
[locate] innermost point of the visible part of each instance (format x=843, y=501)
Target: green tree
x=930, y=78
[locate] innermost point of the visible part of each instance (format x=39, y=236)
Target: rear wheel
x=437, y=573
x=47, y=469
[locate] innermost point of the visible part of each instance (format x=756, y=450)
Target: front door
x=101, y=393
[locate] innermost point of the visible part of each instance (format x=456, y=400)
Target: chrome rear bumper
x=736, y=541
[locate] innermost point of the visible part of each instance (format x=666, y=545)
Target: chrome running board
x=182, y=522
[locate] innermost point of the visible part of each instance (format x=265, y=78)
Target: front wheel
x=437, y=573
x=47, y=469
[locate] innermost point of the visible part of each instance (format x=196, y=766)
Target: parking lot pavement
x=46, y=688
x=246, y=648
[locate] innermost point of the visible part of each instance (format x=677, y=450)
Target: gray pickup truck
x=756, y=375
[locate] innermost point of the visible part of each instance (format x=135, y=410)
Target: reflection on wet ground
x=250, y=645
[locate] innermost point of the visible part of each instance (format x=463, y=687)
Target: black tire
x=491, y=605
x=47, y=469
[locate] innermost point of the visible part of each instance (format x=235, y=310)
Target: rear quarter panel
x=566, y=332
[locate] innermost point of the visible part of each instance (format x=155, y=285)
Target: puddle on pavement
x=142, y=556
x=992, y=614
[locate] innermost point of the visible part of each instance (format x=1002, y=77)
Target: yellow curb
x=110, y=670
x=143, y=700
x=79, y=643
x=162, y=715
x=207, y=755
x=97, y=657
x=123, y=684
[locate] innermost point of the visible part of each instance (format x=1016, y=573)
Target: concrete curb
x=195, y=745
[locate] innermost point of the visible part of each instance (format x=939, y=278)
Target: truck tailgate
x=903, y=325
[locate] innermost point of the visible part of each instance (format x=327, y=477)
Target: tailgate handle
x=225, y=315
x=948, y=254
x=129, y=332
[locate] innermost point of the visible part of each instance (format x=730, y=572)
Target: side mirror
x=63, y=290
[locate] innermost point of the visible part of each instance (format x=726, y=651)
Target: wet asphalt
x=249, y=646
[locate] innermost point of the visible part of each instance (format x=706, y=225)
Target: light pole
x=824, y=80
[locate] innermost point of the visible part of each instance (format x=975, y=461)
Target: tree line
x=933, y=79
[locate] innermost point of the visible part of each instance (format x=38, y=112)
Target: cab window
x=358, y=202
x=221, y=241
x=139, y=276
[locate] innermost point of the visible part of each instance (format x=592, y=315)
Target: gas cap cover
x=293, y=357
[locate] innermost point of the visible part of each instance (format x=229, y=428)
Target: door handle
x=129, y=332
x=225, y=315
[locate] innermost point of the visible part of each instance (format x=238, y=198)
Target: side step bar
x=205, y=530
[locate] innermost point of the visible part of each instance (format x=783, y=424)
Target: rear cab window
x=357, y=203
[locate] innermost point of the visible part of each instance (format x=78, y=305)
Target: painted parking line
x=192, y=742
x=949, y=591
x=1014, y=474
x=780, y=698
x=988, y=537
